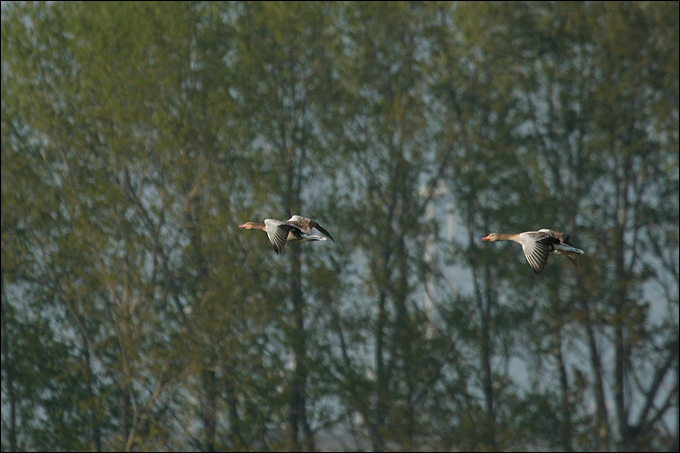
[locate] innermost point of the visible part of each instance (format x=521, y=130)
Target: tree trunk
x=209, y=415
x=93, y=404
x=602, y=417
x=565, y=434
x=483, y=295
x=8, y=369
x=298, y=405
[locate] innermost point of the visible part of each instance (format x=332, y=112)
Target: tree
x=136, y=138
x=559, y=77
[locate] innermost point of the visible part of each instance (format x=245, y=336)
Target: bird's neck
x=509, y=237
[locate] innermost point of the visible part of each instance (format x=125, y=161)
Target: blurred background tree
x=136, y=137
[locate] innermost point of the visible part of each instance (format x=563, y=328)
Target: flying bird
x=297, y=228
x=538, y=245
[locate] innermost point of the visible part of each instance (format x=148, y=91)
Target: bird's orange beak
x=242, y=226
x=485, y=238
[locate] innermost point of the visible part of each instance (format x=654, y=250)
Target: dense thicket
x=136, y=137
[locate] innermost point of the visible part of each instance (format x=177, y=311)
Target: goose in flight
x=538, y=245
x=297, y=228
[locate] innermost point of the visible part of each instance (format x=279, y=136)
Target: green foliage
x=136, y=137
